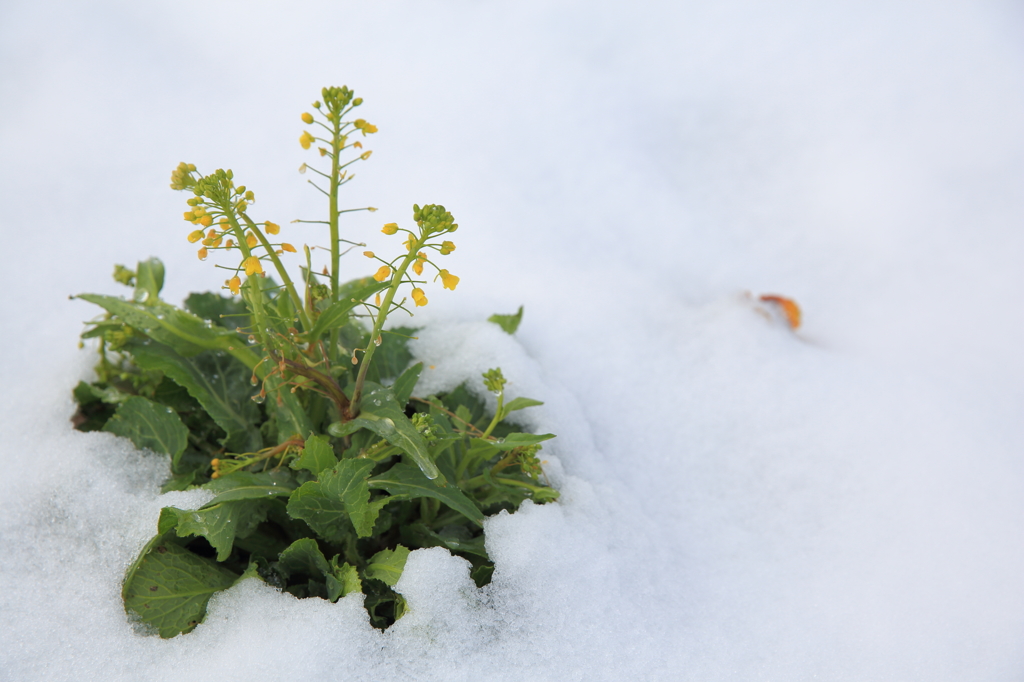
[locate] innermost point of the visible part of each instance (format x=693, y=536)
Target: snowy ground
x=739, y=502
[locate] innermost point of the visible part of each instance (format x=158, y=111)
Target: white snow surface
x=739, y=502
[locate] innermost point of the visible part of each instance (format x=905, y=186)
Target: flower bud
x=390, y=228
x=307, y=118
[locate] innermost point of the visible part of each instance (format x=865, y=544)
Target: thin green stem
x=279, y=266
x=382, y=316
x=497, y=415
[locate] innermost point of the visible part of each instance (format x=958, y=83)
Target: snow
x=739, y=502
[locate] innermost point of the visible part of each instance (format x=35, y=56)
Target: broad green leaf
x=304, y=557
x=509, y=323
x=149, y=425
x=182, y=331
x=342, y=580
x=518, y=404
x=220, y=384
x=387, y=565
x=317, y=456
x=392, y=356
x=220, y=522
x=245, y=485
x=408, y=482
x=168, y=587
x=380, y=413
x=224, y=311
x=406, y=384
x=346, y=482
x=149, y=280
x=326, y=516
x=481, y=575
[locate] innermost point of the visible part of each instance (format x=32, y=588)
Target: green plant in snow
x=295, y=405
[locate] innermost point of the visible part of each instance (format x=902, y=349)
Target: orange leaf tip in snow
x=788, y=306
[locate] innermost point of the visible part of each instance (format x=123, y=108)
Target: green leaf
x=407, y=482
x=317, y=456
x=245, y=485
x=346, y=482
x=219, y=522
x=325, y=515
x=406, y=383
x=168, y=587
x=220, y=384
x=149, y=425
x=342, y=580
x=349, y=296
x=518, y=404
x=387, y=565
x=149, y=280
x=182, y=331
x=303, y=557
x=392, y=356
x=510, y=323
x=178, y=482
x=481, y=575
x=515, y=440
x=379, y=412
x=456, y=538
x=224, y=311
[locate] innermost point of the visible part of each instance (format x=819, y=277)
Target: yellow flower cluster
x=366, y=128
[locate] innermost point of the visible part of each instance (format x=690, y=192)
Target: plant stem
x=289, y=286
x=382, y=316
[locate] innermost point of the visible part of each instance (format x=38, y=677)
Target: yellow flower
x=368, y=254
x=446, y=248
x=206, y=220
x=305, y=140
x=203, y=253
x=252, y=266
x=361, y=124
x=390, y=228
x=449, y=280
x=376, y=300
x=408, y=243
x=383, y=273
x=235, y=284
x=418, y=297
x=250, y=240
x=195, y=236
x=307, y=118
x=357, y=145
x=421, y=258
x=230, y=244
x=288, y=247
x=190, y=216
x=272, y=228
